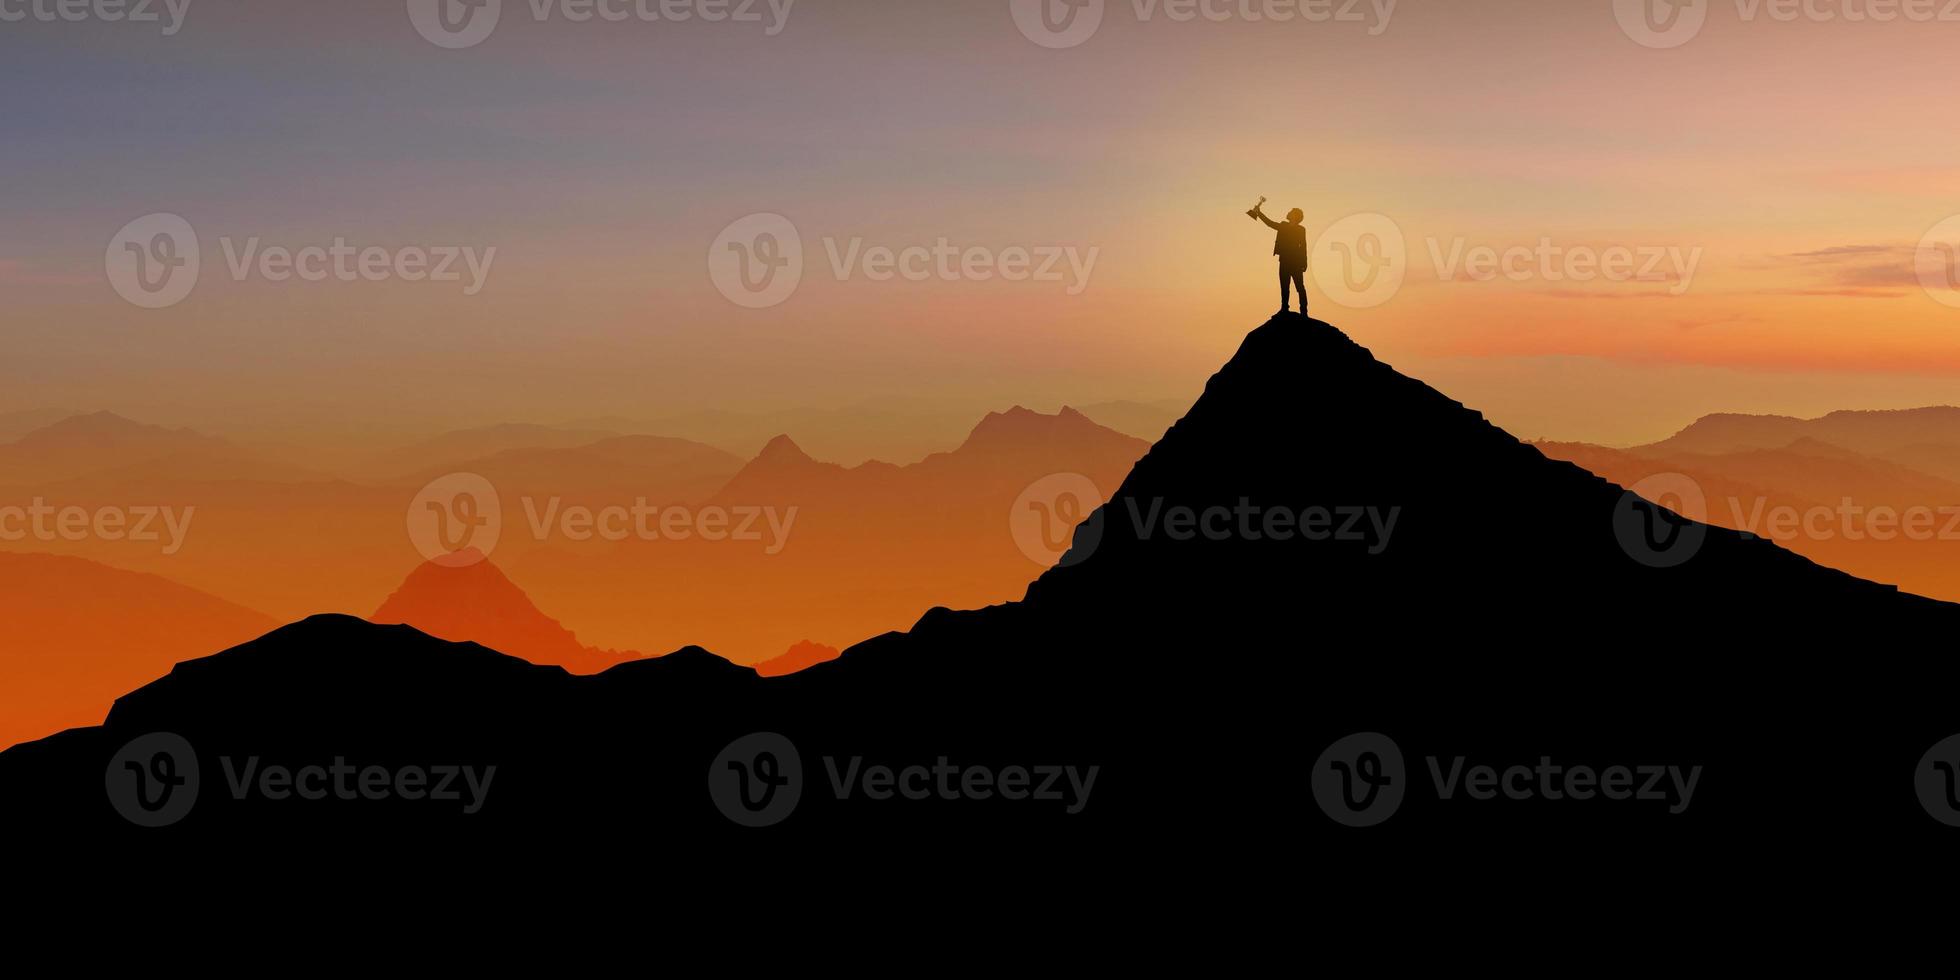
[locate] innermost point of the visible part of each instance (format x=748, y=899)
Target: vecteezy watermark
x=758, y=780
x=758, y=261
x=1361, y=261
x=1245, y=520
x=1664, y=24
x=45, y=522
x=1937, y=260
x=1061, y=518
x=456, y=520
x=1361, y=780
x=1069, y=786
x=1662, y=520
x=468, y=786
x=153, y=780
x=1057, y=520
x=1669, y=784
x=1548, y=261
x=155, y=262
x=169, y=13
x=1936, y=780
x=1661, y=23
x=459, y=518
x=457, y=24
x=1846, y=520
x=1067, y=23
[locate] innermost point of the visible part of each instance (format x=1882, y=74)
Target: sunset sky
x=1803, y=162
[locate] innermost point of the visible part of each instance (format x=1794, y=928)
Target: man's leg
x=1300, y=286
x=1285, y=284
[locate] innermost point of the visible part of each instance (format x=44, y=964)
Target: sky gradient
x=1799, y=161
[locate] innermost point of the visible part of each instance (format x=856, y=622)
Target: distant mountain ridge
x=104, y=443
x=1029, y=444
x=1927, y=439
x=838, y=552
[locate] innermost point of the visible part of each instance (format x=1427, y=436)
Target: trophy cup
x=1254, y=213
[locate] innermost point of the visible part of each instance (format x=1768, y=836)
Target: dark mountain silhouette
x=473, y=601
x=1510, y=616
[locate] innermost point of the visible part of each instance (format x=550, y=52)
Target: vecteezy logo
x=1670, y=530
x=1057, y=520
x=456, y=520
x=455, y=24
x=1360, y=780
x=1937, y=781
x=1937, y=261
x=757, y=261
x=153, y=781
x=153, y=261
x=1057, y=23
x=757, y=780
x=1361, y=260
x=1661, y=23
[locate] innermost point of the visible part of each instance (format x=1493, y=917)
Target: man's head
x=1296, y=216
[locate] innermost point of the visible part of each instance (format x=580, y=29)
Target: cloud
x=1854, y=272
x=1849, y=251
x=1847, y=293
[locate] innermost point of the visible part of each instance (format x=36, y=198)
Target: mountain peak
x=783, y=449
x=1020, y=426
x=460, y=600
x=93, y=425
x=800, y=656
x=1303, y=417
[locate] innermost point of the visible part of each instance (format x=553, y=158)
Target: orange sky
x=1801, y=162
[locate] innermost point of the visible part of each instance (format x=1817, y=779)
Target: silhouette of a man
x=1291, y=247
